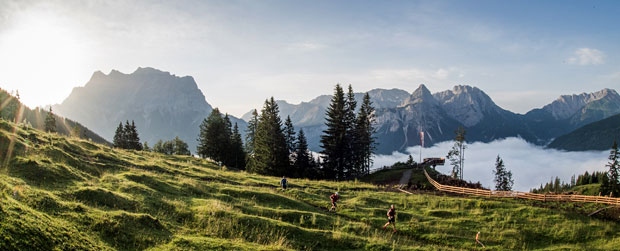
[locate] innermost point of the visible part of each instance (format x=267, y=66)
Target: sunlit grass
x=69, y=193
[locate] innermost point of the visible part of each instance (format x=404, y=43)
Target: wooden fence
x=517, y=194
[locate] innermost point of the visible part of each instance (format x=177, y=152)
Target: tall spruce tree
x=50, y=121
x=334, y=139
x=134, y=138
x=352, y=163
x=251, y=133
x=289, y=134
x=364, y=140
x=250, y=141
x=270, y=150
x=503, y=177
x=303, y=160
x=119, y=136
x=238, y=153
x=214, y=139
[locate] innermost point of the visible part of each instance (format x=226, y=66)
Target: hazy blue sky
x=522, y=53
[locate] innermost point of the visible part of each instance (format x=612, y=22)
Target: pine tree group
x=348, y=141
x=270, y=149
x=218, y=141
x=126, y=137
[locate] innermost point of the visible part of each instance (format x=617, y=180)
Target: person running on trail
x=283, y=183
x=335, y=197
x=391, y=214
x=478, y=240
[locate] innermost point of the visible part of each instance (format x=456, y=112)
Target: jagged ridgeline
x=12, y=109
x=65, y=193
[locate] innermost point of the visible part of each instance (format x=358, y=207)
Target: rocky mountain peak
x=466, y=104
x=421, y=94
x=567, y=105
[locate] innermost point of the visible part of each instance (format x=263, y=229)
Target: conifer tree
x=612, y=185
x=250, y=141
x=146, y=147
x=364, y=140
x=334, y=139
x=503, y=177
x=180, y=147
x=289, y=134
x=303, y=161
x=50, y=121
x=238, y=153
x=352, y=162
x=213, y=139
x=134, y=138
x=119, y=136
x=270, y=149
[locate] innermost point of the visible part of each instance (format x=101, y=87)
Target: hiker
x=335, y=197
x=478, y=240
x=283, y=183
x=391, y=214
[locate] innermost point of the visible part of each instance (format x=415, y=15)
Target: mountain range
x=400, y=116
x=162, y=105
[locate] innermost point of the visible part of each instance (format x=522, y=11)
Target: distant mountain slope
x=162, y=105
x=11, y=108
x=401, y=116
x=599, y=135
x=570, y=112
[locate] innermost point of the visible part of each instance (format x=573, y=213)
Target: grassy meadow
x=59, y=193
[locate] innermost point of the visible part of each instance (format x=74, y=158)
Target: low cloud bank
x=531, y=165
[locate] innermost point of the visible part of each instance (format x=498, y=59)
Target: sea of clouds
x=531, y=165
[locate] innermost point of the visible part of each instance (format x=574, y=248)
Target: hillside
x=12, y=109
x=59, y=193
x=598, y=135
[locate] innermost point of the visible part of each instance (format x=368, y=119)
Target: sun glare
x=40, y=56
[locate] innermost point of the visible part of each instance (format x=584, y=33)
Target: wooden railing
x=517, y=194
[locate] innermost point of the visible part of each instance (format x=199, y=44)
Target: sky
x=530, y=165
x=524, y=54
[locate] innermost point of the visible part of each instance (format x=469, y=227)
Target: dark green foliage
x=364, y=144
x=335, y=140
x=456, y=155
x=214, y=139
x=303, y=164
x=271, y=155
x=119, y=137
x=251, y=133
x=289, y=134
x=50, y=121
x=348, y=142
x=598, y=135
x=218, y=141
x=126, y=137
x=175, y=146
x=611, y=183
x=238, y=155
x=503, y=177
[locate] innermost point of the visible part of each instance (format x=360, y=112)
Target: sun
x=40, y=56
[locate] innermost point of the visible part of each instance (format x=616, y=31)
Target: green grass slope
x=599, y=135
x=59, y=193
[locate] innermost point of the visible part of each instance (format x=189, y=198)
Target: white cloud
x=587, y=56
x=530, y=165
